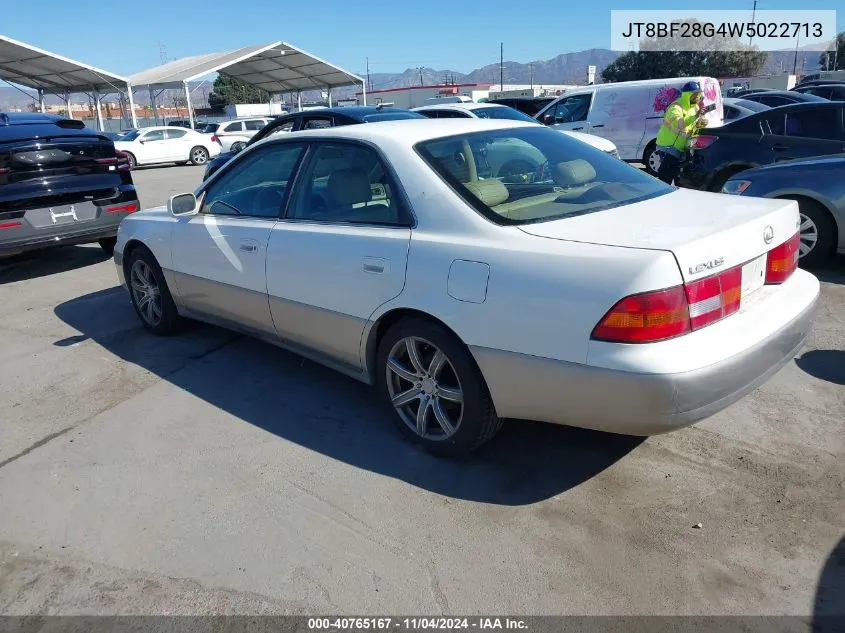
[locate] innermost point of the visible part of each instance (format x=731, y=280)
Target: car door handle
x=780, y=147
x=250, y=246
x=599, y=125
x=375, y=265
x=578, y=128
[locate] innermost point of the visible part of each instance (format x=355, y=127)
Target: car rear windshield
x=391, y=116
x=501, y=112
x=535, y=174
x=131, y=136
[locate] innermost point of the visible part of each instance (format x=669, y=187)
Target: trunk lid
x=706, y=232
x=59, y=155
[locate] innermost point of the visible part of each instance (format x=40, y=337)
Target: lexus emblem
x=768, y=235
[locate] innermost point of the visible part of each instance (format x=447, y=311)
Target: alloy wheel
x=199, y=156
x=424, y=388
x=145, y=292
x=809, y=236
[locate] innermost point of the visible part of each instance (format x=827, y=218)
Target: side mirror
x=548, y=119
x=182, y=204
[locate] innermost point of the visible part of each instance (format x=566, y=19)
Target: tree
x=229, y=90
x=659, y=58
x=834, y=59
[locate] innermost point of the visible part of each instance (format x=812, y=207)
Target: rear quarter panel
x=543, y=296
x=153, y=229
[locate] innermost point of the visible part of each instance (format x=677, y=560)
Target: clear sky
x=123, y=36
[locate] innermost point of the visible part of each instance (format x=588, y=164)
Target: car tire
x=145, y=279
x=237, y=146
x=441, y=376
x=198, y=155
x=649, y=150
x=107, y=244
x=133, y=163
x=818, y=232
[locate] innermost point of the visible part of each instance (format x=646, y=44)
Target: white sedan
x=471, y=110
x=153, y=145
x=580, y=292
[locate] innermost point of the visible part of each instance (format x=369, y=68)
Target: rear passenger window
x=820, y=124
x=254, y=125
x=176, y=133
x=237, y=126
x=316, y=124
x=347, y=183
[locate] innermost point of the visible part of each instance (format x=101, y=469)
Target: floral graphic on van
x=664, y=98
x=710, y=90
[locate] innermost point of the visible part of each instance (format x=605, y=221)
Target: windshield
x=535, y=174
x=502, y=112
x=131, y=135
x=391, y=116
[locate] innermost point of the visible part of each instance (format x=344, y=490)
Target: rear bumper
x=630, y=403
x=61, y=237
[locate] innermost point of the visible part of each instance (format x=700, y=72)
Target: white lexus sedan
x=154, y=145
x=580, y=291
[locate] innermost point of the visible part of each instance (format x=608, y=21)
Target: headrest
x=349, y=186
x=490, y=192
x=574, y=172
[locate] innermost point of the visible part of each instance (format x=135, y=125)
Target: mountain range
x=567, y=68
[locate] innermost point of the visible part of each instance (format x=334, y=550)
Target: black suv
x=60, y=183
x=789, y=132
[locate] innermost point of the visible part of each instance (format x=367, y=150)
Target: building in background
x=416, y=96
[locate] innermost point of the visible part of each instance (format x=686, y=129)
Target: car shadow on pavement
x=319, y=409
x=825, y=364
x=829, y=603
x=49, y=261
x=832, y=272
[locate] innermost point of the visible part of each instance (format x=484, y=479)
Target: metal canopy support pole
x=153, y=106
x=99, y=111
x=67, y=105
x=364, y=86
x=188, y=104
x=330, y=96
x=299, y=100
x=132, y=114
x=41, y=105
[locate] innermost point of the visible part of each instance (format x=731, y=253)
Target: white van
x=629, y=113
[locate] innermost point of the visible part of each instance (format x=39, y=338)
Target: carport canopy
x=48, y=73
x=276, y=67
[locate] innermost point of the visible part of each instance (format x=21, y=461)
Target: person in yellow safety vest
x=681, y=122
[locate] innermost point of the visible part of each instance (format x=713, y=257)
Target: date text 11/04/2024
x=786, y=30
x=414, y=623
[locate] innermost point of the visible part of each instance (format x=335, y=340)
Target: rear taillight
x=4, y=170
x=782, y=260
x=10, y=225
x=107, y=161
x=700, y=142
x=123, y=163
x=647, y=317
x=714, y=298
x=214, y=138
x=131, y=207
x=657, y=316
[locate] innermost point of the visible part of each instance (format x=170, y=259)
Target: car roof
x=408, y=132
x=28, y=118
x=787, y=93
x=784, y=109
x=461, y=105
